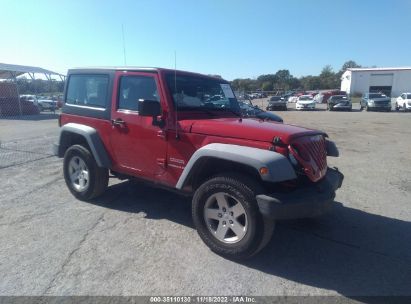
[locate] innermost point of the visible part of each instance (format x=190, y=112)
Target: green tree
x=310, y=82
x=266, y=78
x=329, y=79
x=284, y=79
x=348, y=65
x=267, y=86
x=245, y=84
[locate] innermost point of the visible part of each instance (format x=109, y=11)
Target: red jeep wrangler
x=183, y=131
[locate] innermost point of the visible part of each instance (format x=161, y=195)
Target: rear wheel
x=83, y=177
x=397, y=108
x=227, y=218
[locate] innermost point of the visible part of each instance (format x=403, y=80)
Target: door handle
x=118, y=122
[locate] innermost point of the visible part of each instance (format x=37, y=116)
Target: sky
x=231, y=38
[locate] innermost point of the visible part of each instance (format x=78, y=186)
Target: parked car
x=242, y=174
x=250, y=111
x=46, y=104
x=325, y=95
x=292, y=99
x=319, y=98
x=31, y=98
x=339, y=102
x=60, y=101
x=11, y=104
x=403, y=102
x=287, y=95
x=305, y=102
x=375, y=101
x=276, y=102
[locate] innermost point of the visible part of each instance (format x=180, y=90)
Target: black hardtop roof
x=135, y=69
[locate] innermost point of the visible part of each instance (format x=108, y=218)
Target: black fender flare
x=92, y=138
x=279, y=167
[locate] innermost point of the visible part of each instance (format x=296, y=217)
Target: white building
x=391, y=81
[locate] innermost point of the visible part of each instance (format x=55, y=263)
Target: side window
x=134, y=88
x=87, y=90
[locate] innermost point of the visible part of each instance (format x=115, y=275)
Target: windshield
x=275, y=98
x=201, y=93
x=341, y=97
x=248, y=110
x=305, y=98
x=377, y=95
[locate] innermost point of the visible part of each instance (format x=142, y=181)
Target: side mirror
x=149, y=108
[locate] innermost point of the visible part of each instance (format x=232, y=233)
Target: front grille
x=381, y=103
x=311, y=153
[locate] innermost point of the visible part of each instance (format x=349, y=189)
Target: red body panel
x=142, y=149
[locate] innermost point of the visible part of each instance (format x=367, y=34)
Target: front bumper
x=276, y=106
x=310, y=106
x=304, y=202
x=373, y=106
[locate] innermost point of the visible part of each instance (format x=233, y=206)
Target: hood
x=346, y=101
x=277, y=101
x=306, y=101
x=246, y=128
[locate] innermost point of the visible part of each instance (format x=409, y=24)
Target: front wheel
x=83, y=177
x=227, y=218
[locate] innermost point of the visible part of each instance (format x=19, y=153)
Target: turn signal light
x=263, y=170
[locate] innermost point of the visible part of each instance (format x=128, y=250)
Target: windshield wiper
x=238, y=114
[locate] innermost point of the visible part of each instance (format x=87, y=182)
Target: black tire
x=97, y=177
x=243, y=190
x=404, y=106
x=367, y=108
x=397, y=108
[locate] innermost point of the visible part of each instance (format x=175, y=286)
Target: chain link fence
x=29, y=109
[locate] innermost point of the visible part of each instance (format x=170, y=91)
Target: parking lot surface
x=138, y=240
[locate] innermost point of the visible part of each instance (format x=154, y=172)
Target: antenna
x=124, y=45
x=175, y=94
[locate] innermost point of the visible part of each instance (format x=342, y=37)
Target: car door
x=138, y=146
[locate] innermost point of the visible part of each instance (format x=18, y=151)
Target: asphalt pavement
x=138, y=240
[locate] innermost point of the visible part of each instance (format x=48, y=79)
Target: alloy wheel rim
x=225, y=218
x=79, y=174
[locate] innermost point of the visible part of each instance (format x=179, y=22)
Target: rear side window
x=88, y=90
